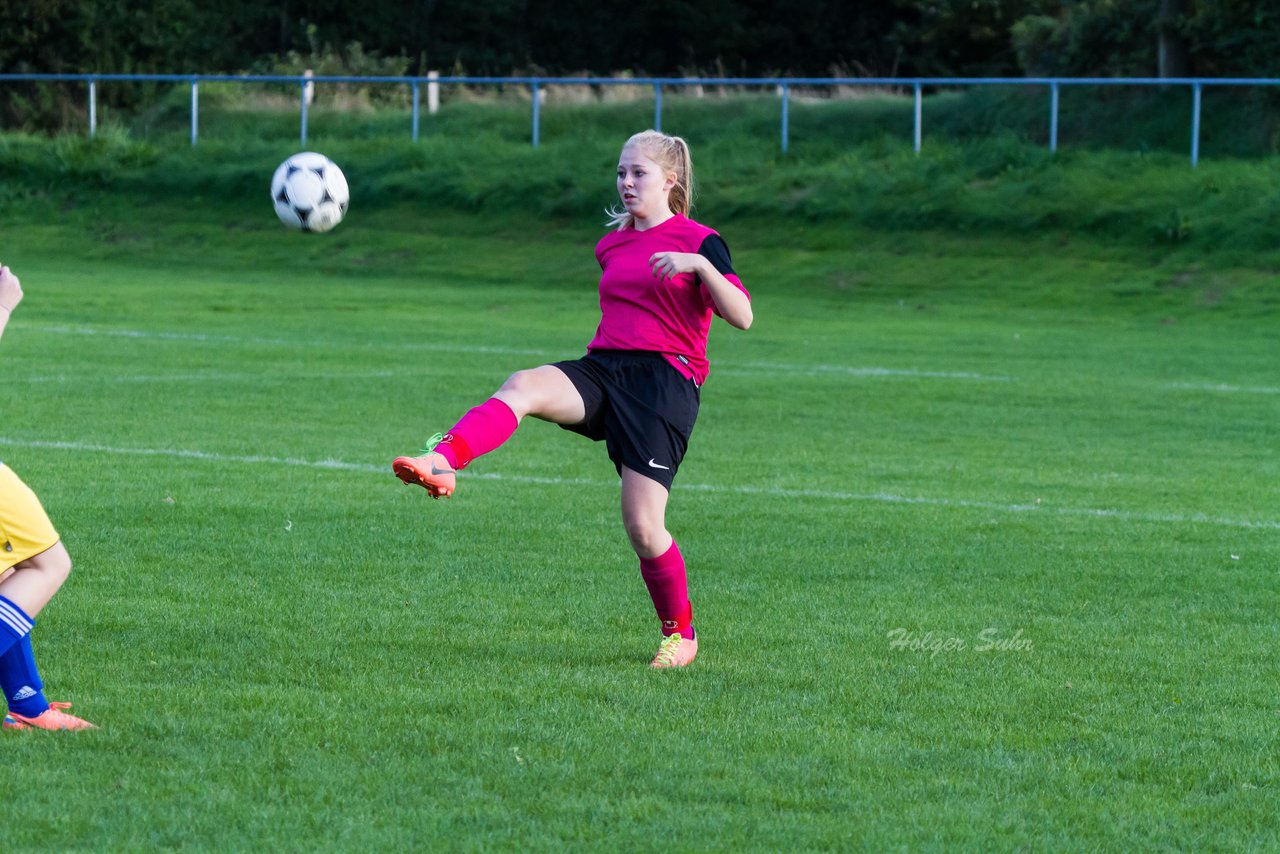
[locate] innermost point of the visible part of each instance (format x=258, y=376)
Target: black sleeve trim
x=715, y=250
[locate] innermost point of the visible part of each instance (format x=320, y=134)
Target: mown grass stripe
x=750, y=368
x=770, y=491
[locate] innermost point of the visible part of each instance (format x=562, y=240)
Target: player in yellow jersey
x=33, y=565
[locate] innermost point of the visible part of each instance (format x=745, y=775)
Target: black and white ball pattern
x=310, y=192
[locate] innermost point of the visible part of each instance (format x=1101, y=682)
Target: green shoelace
x=431, y=444
x=667, y=649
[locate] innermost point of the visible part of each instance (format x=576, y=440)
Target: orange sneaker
x=51, y=718
x=10, y=723
x=675, y=651
x=428, y=470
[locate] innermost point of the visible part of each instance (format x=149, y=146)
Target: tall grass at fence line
x=477, y=157
x=1236, y=121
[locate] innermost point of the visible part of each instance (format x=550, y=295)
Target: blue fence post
x=415, y=110
x=302, y=89
x=1053, y=116
x=919, y=112
x=786, y=118
x=306, y=83
x=1195, y=124
x=535, y=113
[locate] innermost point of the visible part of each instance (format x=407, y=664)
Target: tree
x=1174, y=54
x=1171, y=38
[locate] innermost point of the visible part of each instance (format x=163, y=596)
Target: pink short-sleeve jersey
x=639, y=311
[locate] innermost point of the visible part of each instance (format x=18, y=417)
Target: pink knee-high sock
x=478, y=432
x=664, y=575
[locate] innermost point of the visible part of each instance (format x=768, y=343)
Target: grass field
x=982, y=535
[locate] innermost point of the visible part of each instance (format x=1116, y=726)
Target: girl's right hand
x=10, y=290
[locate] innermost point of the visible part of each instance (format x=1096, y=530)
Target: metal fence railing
x=782, y=85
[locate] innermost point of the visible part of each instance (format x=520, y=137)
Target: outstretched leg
x=543, y=392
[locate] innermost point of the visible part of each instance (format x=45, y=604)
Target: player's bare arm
x=10, y=295
x=733, y=305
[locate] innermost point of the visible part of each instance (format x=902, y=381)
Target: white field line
x=722, y=368
x=855, y=371
x=747, y=368
x=201, y=338
x=767, y=491
x=751, y=368
x=214, y=376
x=1224, y=388
x=286, y=376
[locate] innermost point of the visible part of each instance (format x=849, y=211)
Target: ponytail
x=682, y=193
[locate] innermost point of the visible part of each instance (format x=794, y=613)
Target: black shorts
x=641, y=406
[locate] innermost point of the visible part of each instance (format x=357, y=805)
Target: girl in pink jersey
x=637, y=389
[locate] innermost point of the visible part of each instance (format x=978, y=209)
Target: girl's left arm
x=731, y=303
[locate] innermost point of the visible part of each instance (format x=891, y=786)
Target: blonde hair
x=672, y=154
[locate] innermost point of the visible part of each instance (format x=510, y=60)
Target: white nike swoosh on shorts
x=654, y=465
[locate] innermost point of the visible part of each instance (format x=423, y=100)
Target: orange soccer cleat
x=429, y=470
x=675, y=651
x=52, y=718
x=10, y=723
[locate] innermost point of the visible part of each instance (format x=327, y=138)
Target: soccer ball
x=310, y=192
